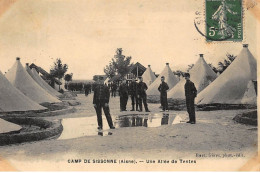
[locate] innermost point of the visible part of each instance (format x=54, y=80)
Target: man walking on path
x=163, y=94
x=123, y=93
x=190, y=94
x=141, y=94
x=101, y=100
x=133, y=93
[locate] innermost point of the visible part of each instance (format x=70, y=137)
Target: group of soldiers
x=113, y=88
x=137, y=91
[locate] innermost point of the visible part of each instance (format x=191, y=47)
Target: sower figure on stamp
x=190, y=94
x=123, y=93
x=225, y=30
x=141, y=94
x=163, y=94
x=101, y=100
x=133, y=93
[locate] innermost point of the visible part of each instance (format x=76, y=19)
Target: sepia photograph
x=129, y=85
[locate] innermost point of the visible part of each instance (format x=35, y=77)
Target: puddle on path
x=78, y=127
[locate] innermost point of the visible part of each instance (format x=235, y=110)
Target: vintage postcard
x=129, y=85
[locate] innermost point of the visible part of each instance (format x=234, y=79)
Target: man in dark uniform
x=113, y=89
x=190, y=94
x=101, y=100
x=163, y=94
x=123, y=93
x=86, y=90
x=141, y=94
x=133, y=93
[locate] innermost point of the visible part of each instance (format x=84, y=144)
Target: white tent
x=11, y=99
x=170, y=79
x=106, y=81
x=18, y=76
x=230, y=86
x=6, y=126
x=148, y=76
x=250, y=96
x=34, y=74
x=201, y=75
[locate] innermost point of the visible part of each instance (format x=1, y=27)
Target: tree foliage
x=179, y=73
x=222, y=66
x=190, y=67
x=58, y=70
x=110, y=70
x=68, y=77
x=120, y=64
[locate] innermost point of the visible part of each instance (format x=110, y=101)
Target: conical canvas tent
x=12, y=100
x=201, y=75
x=170, y=79
x=250, y=96
x=19, y=78
x=6, y=126
x=148, y=76
x=34, y=74
x=231, y=85
x=44, y=84
x=106, y=81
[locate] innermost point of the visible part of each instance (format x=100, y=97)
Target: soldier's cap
x=162, y=77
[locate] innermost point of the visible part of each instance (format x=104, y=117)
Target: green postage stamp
x=224, y=20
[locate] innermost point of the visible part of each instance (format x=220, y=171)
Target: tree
x=179, y=73
x=213, y=68
x=231, y=57
x=68, y=77
x=59, y=69
x=190, y=67
x=110, y=70
x=222, y=66
x=120, y=64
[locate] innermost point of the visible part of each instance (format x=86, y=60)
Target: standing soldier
x=190, y=93
x=133, y=93
x=163, y=94
x=141, y=94
x=113, y=89
x=109, y=86
x=101, y=100
x=86, y=90
x=123, y=93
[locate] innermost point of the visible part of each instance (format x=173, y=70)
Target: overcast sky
x=85, y=34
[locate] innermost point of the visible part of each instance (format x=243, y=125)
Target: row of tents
x=234, y=86
x=22, y=89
